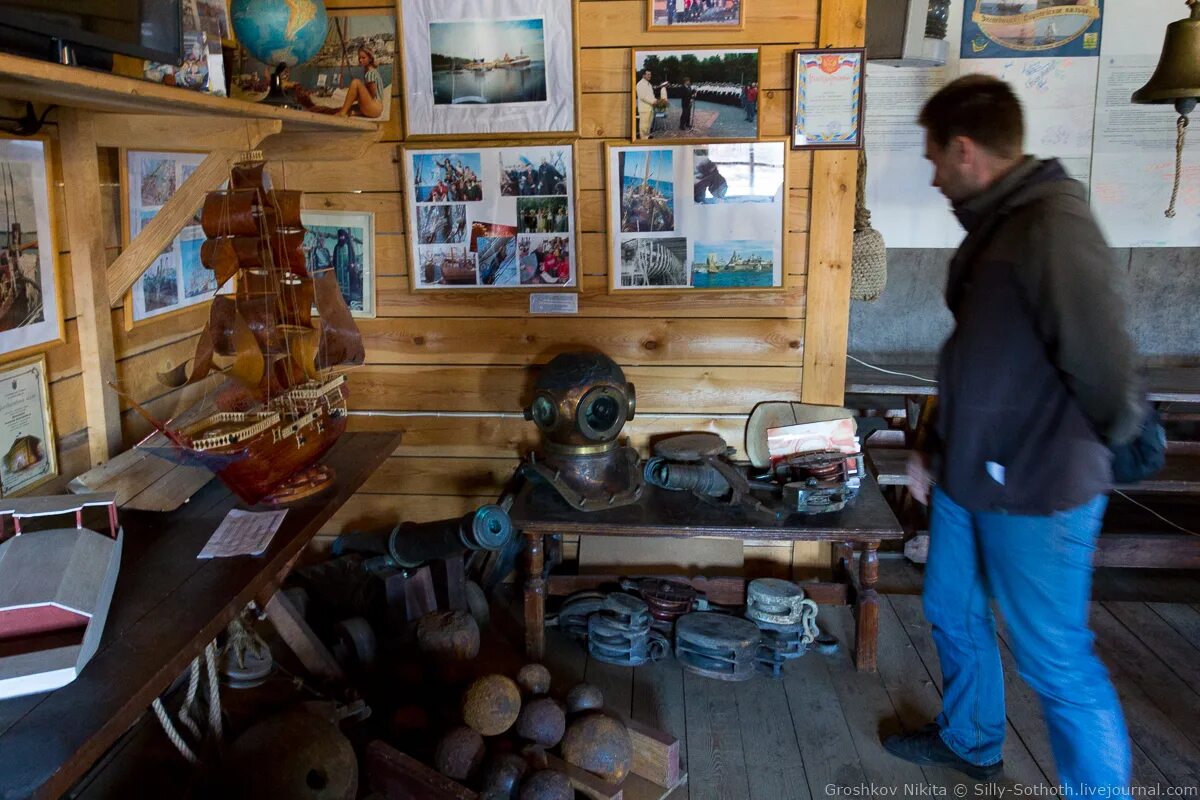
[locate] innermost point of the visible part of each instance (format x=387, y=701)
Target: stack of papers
x=243, y=533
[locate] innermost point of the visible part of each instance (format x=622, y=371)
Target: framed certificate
x=27, y=454
x=828, y=98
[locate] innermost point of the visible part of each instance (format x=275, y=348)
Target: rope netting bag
x=868, y=265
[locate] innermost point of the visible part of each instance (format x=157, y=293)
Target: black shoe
x=925, y=747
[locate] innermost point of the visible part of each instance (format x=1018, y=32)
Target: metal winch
x=817, y=483
x=717, y=645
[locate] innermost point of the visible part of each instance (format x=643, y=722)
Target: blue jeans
x=1039, y=570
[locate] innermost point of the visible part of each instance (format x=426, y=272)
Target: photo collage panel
x=492, y=217
x=177, y=278
x=727, y=235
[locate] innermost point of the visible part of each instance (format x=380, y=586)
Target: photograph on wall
x=203, y=24
x=492, y=217
x=647, y=190
x=27, y=452
x=177, y=279
x=353, y=74
x=1031, y=28
x=827, y=104
x=695, y=93
x=689, y=14
x=489, y=66
x=488, y=62
x=343, y=241
x=447, y=177
x=544, y=259
x=746, y=172
x=30, y=308
x=730, y=236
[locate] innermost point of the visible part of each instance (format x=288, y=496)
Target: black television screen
x=146, y=29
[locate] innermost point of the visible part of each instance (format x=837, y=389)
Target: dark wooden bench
x=1131, y=537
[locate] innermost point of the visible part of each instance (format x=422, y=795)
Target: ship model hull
x=286, y=407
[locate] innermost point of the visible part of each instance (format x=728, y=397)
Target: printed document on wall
x=1058, y=96
x=1133, y=162
x=904, y=207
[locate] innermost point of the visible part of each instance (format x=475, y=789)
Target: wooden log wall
x=453, y=370
x=141, y=353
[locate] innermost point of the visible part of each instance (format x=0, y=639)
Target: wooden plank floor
x=819, y=727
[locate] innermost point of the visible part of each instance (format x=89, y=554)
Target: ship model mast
x=286, y=405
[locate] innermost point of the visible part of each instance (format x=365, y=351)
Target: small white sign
x=556, y=303
x=243, y=533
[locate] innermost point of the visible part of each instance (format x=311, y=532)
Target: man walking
x=752, y=102
x=1036, y=379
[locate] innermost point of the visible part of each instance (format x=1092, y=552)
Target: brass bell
x=1177, y=78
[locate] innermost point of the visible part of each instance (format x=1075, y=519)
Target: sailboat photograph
x=283, y=403
x=647, y=191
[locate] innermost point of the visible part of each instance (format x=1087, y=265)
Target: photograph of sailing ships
x=447, y=177
x=486, y=62
x=654, y=262
x=442, y=224
x=197, y=280
x=159, y=285
x=647, y=191
x=447, y=265
x=21, y=301
x=733, y=264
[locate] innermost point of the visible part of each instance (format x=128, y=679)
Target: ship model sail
x=285, y=403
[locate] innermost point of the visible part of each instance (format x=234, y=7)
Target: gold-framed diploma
x=27, y=452
x=827, y=105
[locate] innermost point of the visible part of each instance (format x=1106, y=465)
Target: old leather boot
x=925, y=747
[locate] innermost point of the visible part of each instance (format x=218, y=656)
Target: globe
x=280, y=31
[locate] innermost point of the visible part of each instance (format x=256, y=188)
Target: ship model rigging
x=284, y=403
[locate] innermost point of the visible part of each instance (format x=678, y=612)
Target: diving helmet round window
x=602, y=413
x=544, y=413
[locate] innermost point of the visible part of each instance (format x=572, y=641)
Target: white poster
x=489, y=66
x=727, y=235
x=1058, y=96
x=904, y=206
x=1133, y=163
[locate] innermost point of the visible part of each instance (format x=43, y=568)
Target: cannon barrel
x=411, y=544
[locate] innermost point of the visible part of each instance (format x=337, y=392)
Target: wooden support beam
x=85, y=234
x=167, y=223
x=831, y=234
x=159, y=132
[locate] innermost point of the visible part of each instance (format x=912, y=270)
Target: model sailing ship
x=286, y=405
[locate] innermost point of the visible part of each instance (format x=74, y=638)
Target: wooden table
x=1163, y=384
x=538, y=511
x=167, y=606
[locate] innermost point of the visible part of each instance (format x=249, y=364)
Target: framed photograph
x=696, y=94
x=343, y=241
x=694, y=14
x=177, y=279
x=492, y=218
x=30, y=306
x=827, y=110
x=27, y=447
x=728, y=235
x=353, y=73
x=489, y=67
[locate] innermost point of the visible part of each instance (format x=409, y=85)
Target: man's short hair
x=980, y=107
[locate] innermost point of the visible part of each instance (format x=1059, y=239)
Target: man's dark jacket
x=1038, y=374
